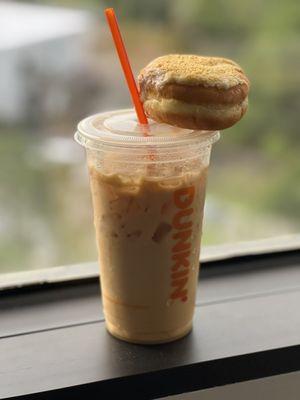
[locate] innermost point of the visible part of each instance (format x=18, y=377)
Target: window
x=64, y=68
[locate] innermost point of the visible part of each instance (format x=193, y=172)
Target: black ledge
x=247, y=326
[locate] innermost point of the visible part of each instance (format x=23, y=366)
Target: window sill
x=247, y=326
x=209, y=254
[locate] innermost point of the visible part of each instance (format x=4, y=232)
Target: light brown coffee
x=148, y=236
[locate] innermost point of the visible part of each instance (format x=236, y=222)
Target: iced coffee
x=148, y=196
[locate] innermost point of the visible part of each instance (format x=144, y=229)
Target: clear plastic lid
x=122, y=129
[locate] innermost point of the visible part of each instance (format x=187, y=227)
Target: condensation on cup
x=148, y=191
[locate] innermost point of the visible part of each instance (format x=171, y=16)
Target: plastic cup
x=148, y=196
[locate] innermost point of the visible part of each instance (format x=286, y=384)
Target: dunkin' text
x=182, y=225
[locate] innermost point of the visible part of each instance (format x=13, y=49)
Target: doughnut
x=194, y=92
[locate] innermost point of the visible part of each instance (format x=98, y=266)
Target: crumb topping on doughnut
x=195, y=70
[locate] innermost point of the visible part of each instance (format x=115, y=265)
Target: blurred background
x=58, y=65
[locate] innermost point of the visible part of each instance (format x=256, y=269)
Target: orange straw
x=120, y=47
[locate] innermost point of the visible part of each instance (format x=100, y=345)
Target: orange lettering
x=179, y=292
x=181, y=259
x=184, y=197
x=182, y=244
x=180, y=274
x=177, y=220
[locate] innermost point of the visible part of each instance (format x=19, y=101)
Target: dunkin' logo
x=182, y=228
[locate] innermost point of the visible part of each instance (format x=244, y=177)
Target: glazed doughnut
x=194, y=92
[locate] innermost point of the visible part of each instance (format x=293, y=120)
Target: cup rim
x=93, y=133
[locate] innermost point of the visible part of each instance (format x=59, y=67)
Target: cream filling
x=172, y=106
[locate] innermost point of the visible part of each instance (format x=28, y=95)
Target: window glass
x=58, y=65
